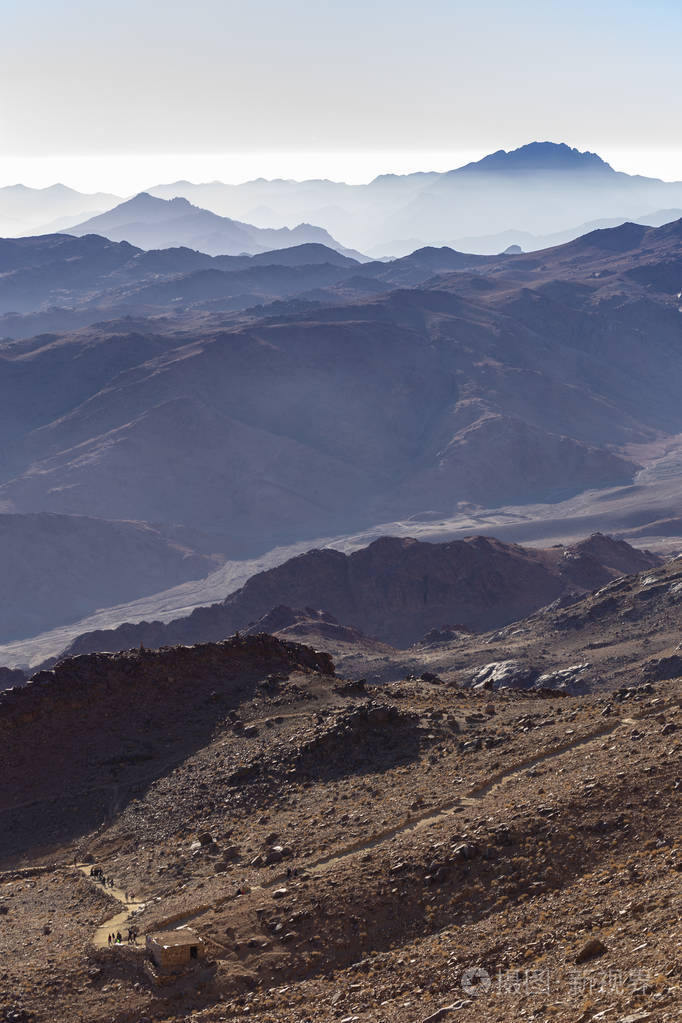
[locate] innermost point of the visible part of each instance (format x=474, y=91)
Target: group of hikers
x=117, y=938
x=97, y=874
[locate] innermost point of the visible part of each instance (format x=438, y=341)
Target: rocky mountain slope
x=523, y=380
x=419, y=851
x=143, y=697
x=396, y=590
x=625, y=633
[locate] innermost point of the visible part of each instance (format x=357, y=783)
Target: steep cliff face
x=78, y=740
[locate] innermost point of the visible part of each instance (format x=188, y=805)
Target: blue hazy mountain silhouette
x=538, y=157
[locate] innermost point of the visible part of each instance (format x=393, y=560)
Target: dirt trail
x=432, y=815
x=118, y=922
x=423, y=820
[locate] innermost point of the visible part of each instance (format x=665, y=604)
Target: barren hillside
x=411, y=852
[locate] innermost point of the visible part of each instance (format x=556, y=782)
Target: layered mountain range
x=505, y=198
x=25, y=210
x=519, y=380
x=461, y=799
x=51, y=282
x=153, y=223
x=541, y=194
x=300, y=396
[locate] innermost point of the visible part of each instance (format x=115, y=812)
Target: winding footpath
x=120, y=921
x=413, y=822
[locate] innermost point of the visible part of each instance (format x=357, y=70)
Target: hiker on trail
x=109, y=939
x=119, y=939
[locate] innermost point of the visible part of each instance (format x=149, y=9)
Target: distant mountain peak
x=145, y=202
x=145, y=197
x=539, y=156
x=151, y=222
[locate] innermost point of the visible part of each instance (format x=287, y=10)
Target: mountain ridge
x=541, y=188
x=476, y=385
x=153, y=223
x=397, y=589
x=536, y=157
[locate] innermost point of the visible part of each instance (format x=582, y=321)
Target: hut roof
x=171, y=939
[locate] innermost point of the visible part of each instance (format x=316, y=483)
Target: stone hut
x=175, y=951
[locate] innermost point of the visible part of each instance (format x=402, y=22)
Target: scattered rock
x=513, y=674
x=590, y=950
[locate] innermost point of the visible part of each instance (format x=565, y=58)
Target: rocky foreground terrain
x=495, y=840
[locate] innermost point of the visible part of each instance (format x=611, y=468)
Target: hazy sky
x=339, y=88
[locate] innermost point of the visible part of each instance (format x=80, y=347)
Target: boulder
x=590, y=950
x=513, y=674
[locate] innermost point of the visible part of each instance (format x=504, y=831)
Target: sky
x=115, y=97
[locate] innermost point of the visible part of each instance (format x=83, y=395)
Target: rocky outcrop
x=370, y=737
x=397, y=589
x=95, y=725
x=291, y=623
x=663, y=668
x=505, y=674
x=513, y=674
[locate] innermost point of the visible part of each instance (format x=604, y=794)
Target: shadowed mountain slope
x=55, y=568
x=100, y=725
